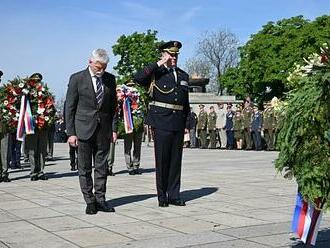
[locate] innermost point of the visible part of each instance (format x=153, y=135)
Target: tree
x=135, y=51
x=219, y=49
x=267, y=58
x=197, y=67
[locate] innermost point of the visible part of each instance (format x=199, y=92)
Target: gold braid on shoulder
x=153, y=84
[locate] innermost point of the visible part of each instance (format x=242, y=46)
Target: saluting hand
x=164, y=59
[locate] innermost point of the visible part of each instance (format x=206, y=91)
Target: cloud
x=142, y=12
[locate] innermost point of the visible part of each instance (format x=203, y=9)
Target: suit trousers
x=256, y=135
x=73, y=157
x=97, y=148
x=129, y=139
x=50, y=143
x=4, y=155
x=222, y=138
x=168, y=155
x=36, y=147
x=192, y=134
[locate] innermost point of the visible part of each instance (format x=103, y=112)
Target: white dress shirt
x=94, y=79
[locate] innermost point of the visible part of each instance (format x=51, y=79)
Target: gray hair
x=100, y=55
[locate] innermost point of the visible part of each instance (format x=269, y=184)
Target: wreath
x=38, y=96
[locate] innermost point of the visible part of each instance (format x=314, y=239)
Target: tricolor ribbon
x=306, y=219
x=25, y=120
x=128, y=120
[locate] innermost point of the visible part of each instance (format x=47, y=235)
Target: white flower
x=5, y=102
x=40, y=111
x=46, y=118
x=21, y=85
x=4, y=111
x=39, y=93
x=25, y=91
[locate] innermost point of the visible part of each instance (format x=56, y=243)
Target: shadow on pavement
x=193, y=194
x=129, y=199
x=323, y=241
x=149, y=170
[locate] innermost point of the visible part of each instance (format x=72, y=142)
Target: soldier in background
x=221, y=123
x=238, y=128
x=247, y=115
x=191, y=126
x=111, y=155
x=3, y=151
x=211, y=125
x=269, y=126
x=202, y=126
x=230, y=127
x=36, y=146
x=256, y=125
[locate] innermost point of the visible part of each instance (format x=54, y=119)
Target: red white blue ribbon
x=128, y=120
x=25, y=120
x=306, y=220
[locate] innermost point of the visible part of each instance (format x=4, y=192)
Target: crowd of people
x=243, y=126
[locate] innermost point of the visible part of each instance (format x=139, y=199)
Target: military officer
x=211, y=125
x=247, y=115
x=256, y=125
x=230, y=127
x=238, y=128
x=167, y=117
x=3, y=151
x=36, y=145
x=269, y=126
x=202, y=126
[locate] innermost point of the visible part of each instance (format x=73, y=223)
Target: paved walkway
x=234, y=199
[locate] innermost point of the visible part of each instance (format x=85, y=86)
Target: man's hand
x=73, y=141
x=186, y=130
x=164, y=59
x=114, y=137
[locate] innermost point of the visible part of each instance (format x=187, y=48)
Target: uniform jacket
x=247, y=115
x=191, y=121
x=256, y=122
x=229, y=120
x=238, y=123
x=212, y=120
x=82, y=113
x=269, y=119
x=174, y=92
x=202, y=121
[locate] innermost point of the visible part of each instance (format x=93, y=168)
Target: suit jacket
x=174, y=92
x=82, y=113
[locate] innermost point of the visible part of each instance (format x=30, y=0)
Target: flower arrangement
x=39, y=97
x=304, y=137
x=131, y=108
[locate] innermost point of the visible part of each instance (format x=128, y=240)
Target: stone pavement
x=234, y=199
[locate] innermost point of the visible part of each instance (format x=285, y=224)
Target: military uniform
x=221, y=123
x=247, y=115
x=269, y=126
x=4, y=138
x=167, y=115
x=211, y=125
x=238, y=129
x=36, y=146
x=202, y=128
x=230, y=129
x=256, y=125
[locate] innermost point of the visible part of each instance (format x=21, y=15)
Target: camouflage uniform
x=247, y=115
x=211, y=125
x=269, y=125
x=201, y=127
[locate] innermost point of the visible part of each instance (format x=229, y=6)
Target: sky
x=56, y=37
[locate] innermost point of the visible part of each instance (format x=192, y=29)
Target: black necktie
x=99, y=90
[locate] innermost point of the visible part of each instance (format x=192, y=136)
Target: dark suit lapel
x=89, y=83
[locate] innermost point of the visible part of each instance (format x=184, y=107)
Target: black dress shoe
x=103, y=207
x=178, y=202
x=137, y=172
x=110, y=173
x=34, y=178
x=163, y=204
x=6, y=179
x=91, y=208
x=43, y=177
x=132, y=172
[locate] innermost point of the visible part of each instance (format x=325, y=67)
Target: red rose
x=32, y=83
x=49, y=102
x=40, y=121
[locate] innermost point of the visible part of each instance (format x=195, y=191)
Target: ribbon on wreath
x=25, y=120
x=127, y=113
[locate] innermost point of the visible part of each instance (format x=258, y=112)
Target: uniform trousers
x=269, y=138
x=133, y=139
x=168, y=156
x=256, y=135
x=247, y=139
x=36, y=147
x=96, y=147
x=213, y=139
x=4, y=155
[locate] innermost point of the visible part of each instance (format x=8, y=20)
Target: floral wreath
x=37, y=94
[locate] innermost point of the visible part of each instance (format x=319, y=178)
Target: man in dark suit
x=167, y=117
x=90, y=106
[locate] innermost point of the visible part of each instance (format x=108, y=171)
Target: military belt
x=167, y=105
